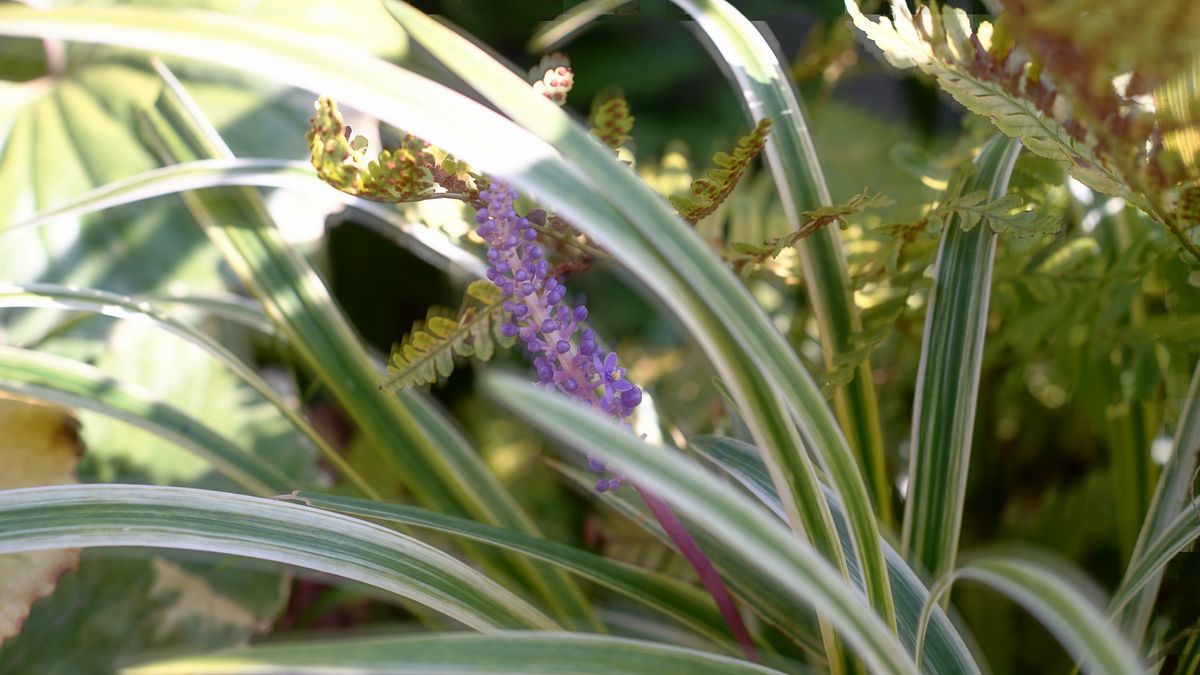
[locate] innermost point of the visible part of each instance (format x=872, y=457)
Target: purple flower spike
x=546, y=325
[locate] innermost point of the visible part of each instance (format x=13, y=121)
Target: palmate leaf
x=710, y=192
x=427, y=352
x=941, y=43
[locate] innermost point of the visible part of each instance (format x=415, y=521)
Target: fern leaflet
x=611, y=122
x=749, y=256
x=710, y=192
x=427, y=353
x=409, y=172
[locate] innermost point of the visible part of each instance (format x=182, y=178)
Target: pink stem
x=704, y=567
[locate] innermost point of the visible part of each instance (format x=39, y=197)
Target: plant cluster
x=792, y=446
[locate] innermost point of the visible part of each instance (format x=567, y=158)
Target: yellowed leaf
x=39, y=445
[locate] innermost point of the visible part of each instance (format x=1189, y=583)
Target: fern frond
x=966, y=65
x=1006, y=213
x=710, y=192
x=748, y=256
x=611, y=122
x=398, y=175
x=428, y=351
x=553, y=78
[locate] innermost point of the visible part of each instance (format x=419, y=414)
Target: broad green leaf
x=945, y=650
x=436, y=463
x=678, y=600
x=54, y=379
x=504, y=652
x=121, y=605
x=40, y=446
x=764, y=545
x=948, y=378
x=35, y=519
x=1064, y=610
x=1170, y=496
x=122, y=307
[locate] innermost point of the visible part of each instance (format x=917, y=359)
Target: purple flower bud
x=521, y=311
x=508, y=330
x=595, y=465
x=563, y=347
x=630, y=398
x=580, y=313
x=549, y=326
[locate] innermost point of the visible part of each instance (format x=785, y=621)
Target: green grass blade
x=1148, y=567
x=948, y=375
x=682, y=602
x=1173, y=492
x=53, y=296
x=436, y=462
x=758, y=593
x=569, y=23
x=226, y=307
x=1077, y=623
x=69, y=383
x=71, y=516
x=764, y=545
x=708, y=297
x=292, y=175
x=945, y=651
x=504, y=652
x=767, y=92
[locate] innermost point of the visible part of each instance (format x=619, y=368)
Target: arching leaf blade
x=1078, y=624
x=945, y=650
x=764, y=544
x=266, y=529
x=948, y=374
x=504, y=652
x=682, y=602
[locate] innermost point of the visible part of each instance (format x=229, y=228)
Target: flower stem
x=704, y=567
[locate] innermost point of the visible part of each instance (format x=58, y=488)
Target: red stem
x=704, y=567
